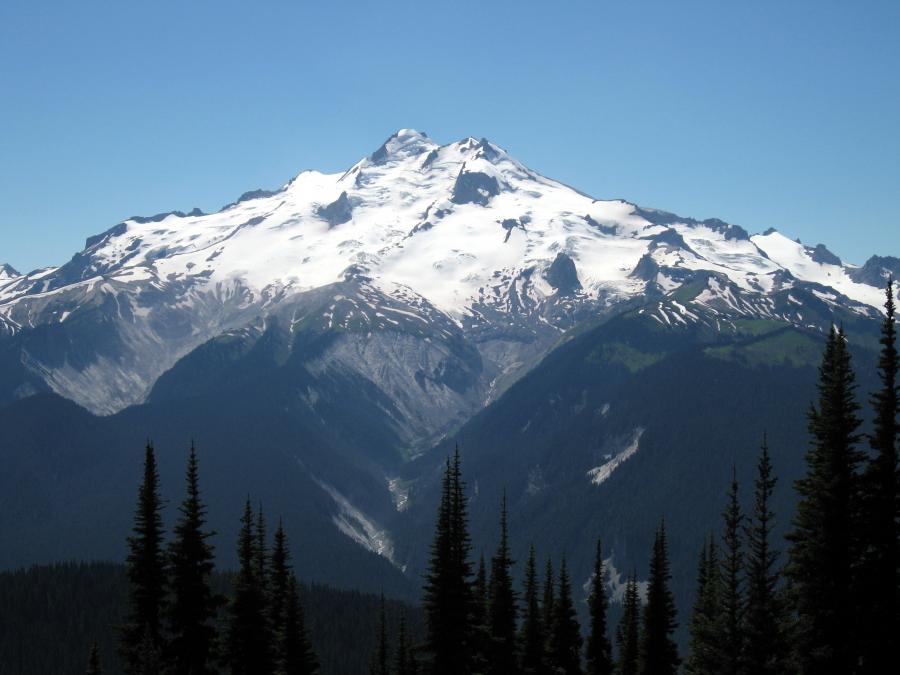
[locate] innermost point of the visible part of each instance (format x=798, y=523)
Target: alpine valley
x=327, y=344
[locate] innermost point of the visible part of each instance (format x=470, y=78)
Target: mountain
x=327, y=342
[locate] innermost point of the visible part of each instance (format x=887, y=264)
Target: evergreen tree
x=732, y=597
x=146, y=572
x=599, y=650
x=149, y=656
x=192, y=612
x=659, y=654
x=766, y=614
x=296, y=653
x=532, y=638
x=706, y=620
x=565, y=640
x=292, y=653
x=502, y=605
x=480, y=633
x=381, y=658
x=448, y=594
x=403, y=664
x=248, y=638
x=261, y=567
x=880, y=573
x=824, y=540
x=93, y=667
x=628, y=632
x=548, y=605
x=279, y=585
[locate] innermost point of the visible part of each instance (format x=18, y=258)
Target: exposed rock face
x=563, y=276
x=337, y=212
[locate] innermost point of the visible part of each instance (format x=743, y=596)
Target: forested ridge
x=826, y=601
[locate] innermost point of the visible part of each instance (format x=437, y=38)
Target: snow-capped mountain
x=461, y=238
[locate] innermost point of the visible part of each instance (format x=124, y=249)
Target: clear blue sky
x=783, y=114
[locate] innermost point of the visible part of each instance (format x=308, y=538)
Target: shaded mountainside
x=50, y=616
x=629, y=422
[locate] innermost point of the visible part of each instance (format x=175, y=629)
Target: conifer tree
x=824, y=540
x=706, y=618
x=732, y=596
x=880, y=573
x=599, y=650
x=261, y=565
x=628, y=632
x=292, y=653
x=192, y=611
x=146, y=572
x=381, y=658
x=480, y=633
x=548, y=605
x=279, y=583
x=502, y=605
x=150, y=658
x=532, y=638
x=403, y=661
x=296, y=653
x=248, y=637
x=766, y=619
x=659, y=653
x=93, y=667
x=565, y=640
x=448, y=592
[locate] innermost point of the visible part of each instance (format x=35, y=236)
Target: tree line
x=831, y=609
x=171, y=624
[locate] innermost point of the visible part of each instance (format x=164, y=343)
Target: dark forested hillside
x=690, y=401
x=50, y=616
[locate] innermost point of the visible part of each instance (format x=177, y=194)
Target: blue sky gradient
x=765, y=114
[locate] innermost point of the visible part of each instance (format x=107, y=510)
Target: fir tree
x=279, y=583
x=628, y=632
x=565, y=640
x=146, y=571
x=732, y=596
x=502, y=605
x=149, y=656
x=599, y=650
x=248, y=637
x=824, y=539
x=448, y=593
x=532, y=638
x=296, y=654
x=192, y=612
x=548, y=605
x=881, y=560
x=381, y=658
x=706, y=618
x=292, y=653
x=93, y=667
x=765, y=614
x=261, y=572
x=480, y=633
x=659, y=654
x=403, y=664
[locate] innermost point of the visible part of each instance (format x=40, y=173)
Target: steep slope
x=639, y=418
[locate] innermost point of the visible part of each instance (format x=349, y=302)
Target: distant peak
x=402, y=144
x=8, y=272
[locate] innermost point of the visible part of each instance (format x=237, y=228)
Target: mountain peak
x=402, y=144
x=8, y=272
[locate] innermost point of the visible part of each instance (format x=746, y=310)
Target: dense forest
x=49, y=613
x=826, y=602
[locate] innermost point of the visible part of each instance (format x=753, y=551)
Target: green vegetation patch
x=620, y=353
x=785, y=347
